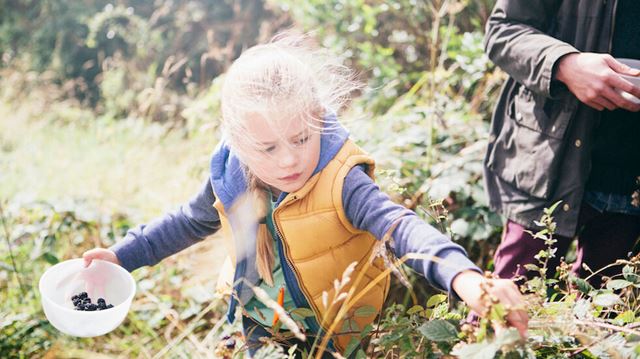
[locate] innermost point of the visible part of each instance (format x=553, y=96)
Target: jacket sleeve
x=370, y=209
x=516, y=40
x=149, y=243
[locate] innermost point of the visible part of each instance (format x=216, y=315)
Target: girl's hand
x=469, y=287
x=99, y=253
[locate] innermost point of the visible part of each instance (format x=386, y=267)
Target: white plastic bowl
x=635, y=80
x=101, y=279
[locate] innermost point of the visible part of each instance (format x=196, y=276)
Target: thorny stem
x=616, y=263
x=13, y=261
x=627, y=329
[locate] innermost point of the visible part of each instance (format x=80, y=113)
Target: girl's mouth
x=290, y=178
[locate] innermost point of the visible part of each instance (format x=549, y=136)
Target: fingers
x=597, y=81
x=620, y=102
x=610, y=99
x=513, y=300
x=619, y=67
x=621, y=83
x=519, y=320
x=602, y=103
x=88, y=257
x=618, y=83
x=99, y=253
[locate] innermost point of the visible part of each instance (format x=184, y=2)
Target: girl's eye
x=302, y=140
x=269, y=149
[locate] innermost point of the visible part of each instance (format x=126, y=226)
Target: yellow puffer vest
x=320, y=243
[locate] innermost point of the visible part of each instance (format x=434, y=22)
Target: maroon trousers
x=603, y=237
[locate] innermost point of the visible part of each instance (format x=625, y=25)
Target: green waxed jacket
x=541, y=135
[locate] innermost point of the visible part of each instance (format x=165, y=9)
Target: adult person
x=562, y=131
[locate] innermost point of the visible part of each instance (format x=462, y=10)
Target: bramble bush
x=568, y=317
x=424, y=118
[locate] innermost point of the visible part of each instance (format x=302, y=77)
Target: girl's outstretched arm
x=370, y=209
x=149, y=243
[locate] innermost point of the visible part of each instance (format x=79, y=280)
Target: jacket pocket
x=541, y=114
x=528, y=147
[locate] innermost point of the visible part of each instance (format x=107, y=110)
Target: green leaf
x=302, y=313
x=460, y=227
x=583, y=285
x=292, y=350
x=415, y=309
x=354, y=343
x=366, y=311
x=616, y=284
x=551, y=209
x=532, y=267
x=435, y=300
x=606, y=299
x=626, y=317
x=484, y=350
x=498, y=312
x=350, y=325
x=629, y=274
x=439, y=331
x=50, y=258
x=367, y=329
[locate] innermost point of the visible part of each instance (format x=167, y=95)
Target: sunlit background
x=109, y=112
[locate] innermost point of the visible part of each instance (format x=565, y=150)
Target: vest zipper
x=300, y=302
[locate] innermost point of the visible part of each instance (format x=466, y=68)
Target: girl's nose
x=288, y=158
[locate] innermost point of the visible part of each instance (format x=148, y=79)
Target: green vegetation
x=108, y=114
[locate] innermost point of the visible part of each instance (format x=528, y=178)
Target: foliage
x=393, y=42
x=578, y=321
x=37, y=235
x=183, y=43
x=425, y=120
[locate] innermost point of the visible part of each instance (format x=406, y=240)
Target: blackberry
x=82, y=302
x=230, y=343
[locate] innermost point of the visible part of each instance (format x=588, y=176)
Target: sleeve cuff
x=125, y=251
x=453, y=262
x=553, y=88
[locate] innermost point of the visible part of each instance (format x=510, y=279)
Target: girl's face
x=285, y=151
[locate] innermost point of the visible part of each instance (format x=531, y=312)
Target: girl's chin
x=290, y=187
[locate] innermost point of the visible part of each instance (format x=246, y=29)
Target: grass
x=61, y=154
x=126, y=166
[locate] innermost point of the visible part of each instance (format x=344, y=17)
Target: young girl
x=297, y=203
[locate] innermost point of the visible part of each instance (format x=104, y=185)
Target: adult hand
x=99, y=253
x=471, y=286
x=594, y=80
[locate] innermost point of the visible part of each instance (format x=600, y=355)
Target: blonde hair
x=289, y=76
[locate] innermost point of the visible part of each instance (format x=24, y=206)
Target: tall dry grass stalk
x=353, y=297
x=277, y=308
